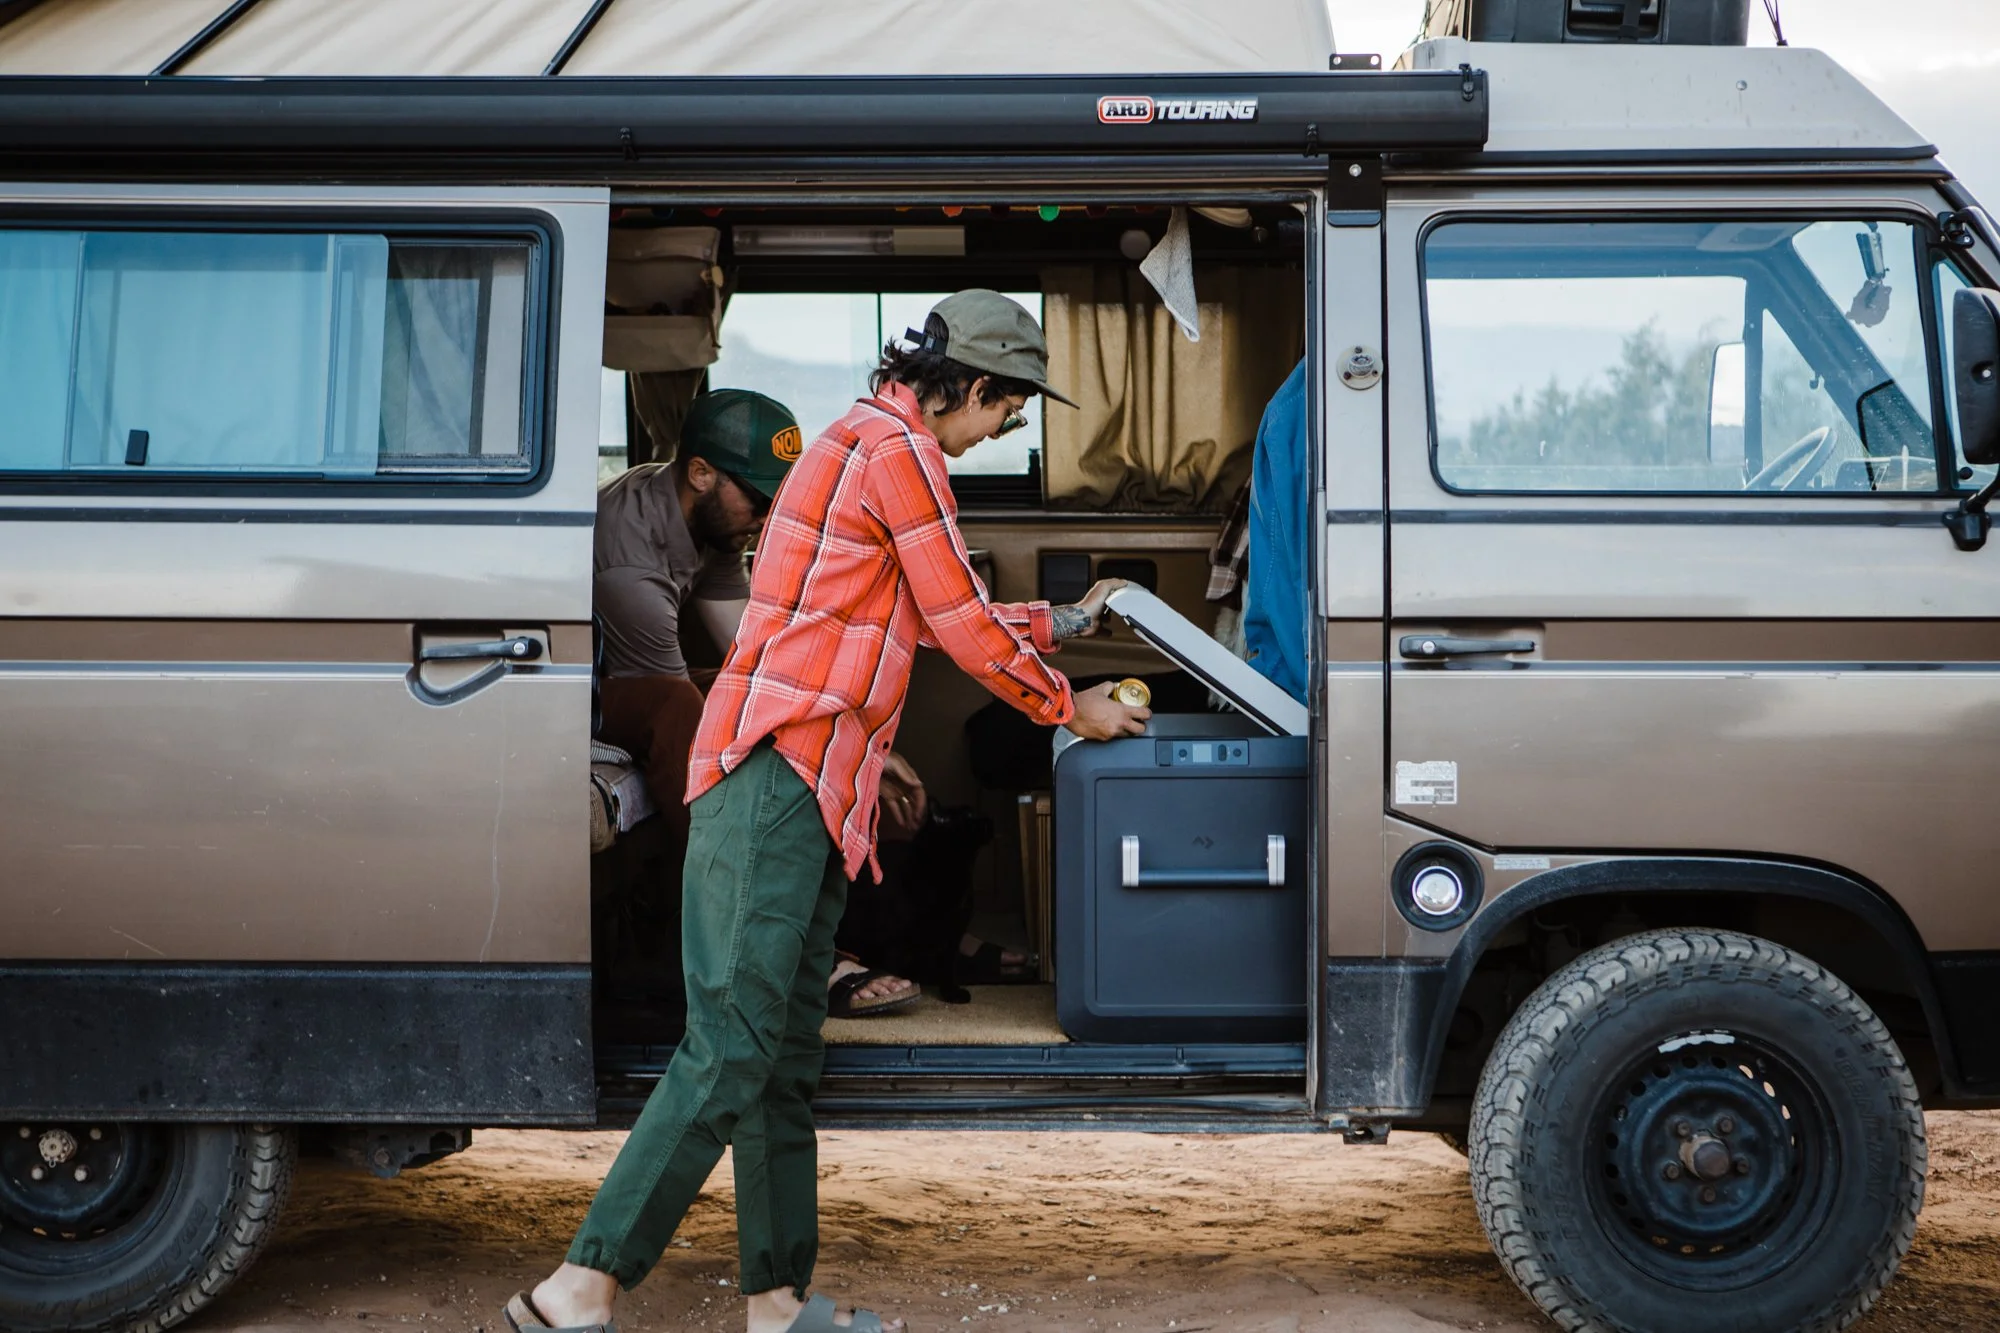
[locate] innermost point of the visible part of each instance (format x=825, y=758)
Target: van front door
x=1667, y=570
x=295, y=652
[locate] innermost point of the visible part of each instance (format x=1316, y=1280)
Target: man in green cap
x=860, y=562
x=670, y=539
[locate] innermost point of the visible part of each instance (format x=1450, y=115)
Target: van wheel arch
x=1712, y=892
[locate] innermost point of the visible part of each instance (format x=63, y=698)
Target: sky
x=1937, y=62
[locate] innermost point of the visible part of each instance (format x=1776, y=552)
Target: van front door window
x=1679, y=356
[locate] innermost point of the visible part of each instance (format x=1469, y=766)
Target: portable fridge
x=1180, y=863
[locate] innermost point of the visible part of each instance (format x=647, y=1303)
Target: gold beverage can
x=1132, y=693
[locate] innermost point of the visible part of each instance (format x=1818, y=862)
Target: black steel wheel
x=127, y=1227
x=1694, y=1130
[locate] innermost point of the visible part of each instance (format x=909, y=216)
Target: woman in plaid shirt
x=860, y=562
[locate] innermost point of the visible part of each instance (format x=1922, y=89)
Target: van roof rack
x=1653, y=22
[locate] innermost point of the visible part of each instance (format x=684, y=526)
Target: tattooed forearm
x=1069, y=621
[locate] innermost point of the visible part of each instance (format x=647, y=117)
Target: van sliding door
x=295, y=652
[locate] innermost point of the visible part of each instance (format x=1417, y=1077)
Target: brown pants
x=654, y=718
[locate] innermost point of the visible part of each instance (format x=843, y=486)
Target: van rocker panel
x=496, y=1045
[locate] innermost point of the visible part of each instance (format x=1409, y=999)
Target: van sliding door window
x=235, y=354
x=1694, y=357
x=812, y=351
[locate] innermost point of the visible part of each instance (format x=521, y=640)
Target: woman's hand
x=1099, y=717
x=1080, y=621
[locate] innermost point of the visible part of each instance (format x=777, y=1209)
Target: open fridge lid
x=1189, y=648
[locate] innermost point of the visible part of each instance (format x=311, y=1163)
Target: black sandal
x=988, y=966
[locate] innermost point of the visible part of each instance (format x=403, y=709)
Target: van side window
x=812, y=351
x=240, y=354
x=1949, y=282
x=1679, y=357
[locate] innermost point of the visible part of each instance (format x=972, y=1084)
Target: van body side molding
x=488, y=1045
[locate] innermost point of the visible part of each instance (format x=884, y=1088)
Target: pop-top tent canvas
x=658, y=37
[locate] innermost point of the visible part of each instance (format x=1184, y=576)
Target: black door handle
x=520, y=648
x=1434, y=647
x=500, y=656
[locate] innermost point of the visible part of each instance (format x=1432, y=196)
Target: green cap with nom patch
x=991, y=332
x=745, y=434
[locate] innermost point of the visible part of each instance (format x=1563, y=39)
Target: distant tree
x=1651, y=410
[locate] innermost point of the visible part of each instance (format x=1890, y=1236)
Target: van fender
x=1401, y=1009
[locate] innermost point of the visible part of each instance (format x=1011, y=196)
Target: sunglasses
x=1015, y=419
x=760, y=503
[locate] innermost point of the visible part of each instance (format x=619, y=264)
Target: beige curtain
x=1165, y=424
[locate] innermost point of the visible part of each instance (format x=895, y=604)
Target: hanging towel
x=1170, y=268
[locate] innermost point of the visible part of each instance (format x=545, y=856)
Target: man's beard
x=711, y=524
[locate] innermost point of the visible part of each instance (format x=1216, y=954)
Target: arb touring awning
x=603, y=89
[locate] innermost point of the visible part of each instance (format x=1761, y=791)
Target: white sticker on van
x=1520, y=863
x=1432, y=782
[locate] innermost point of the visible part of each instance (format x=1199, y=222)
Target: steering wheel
x=1817, y=442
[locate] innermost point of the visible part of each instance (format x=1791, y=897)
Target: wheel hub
x=1701, y=1155
x=67, y=1180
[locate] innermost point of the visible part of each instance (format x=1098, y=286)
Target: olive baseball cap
x=991, y=332
x=745, y=434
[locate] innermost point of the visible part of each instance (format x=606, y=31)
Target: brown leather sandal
x=522, y=1317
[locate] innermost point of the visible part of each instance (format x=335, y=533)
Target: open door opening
x=1138, y=484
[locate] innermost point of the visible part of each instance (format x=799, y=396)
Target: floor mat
x=997, y=1016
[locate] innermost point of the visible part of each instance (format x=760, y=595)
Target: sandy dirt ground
x=1028, y=1232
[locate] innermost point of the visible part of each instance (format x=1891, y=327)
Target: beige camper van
x=1629, y=826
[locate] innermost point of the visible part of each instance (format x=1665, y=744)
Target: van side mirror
x=1728, y=394
x=1975, y=372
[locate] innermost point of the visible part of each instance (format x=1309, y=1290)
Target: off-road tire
x=220, y=1191
x=1664, y=1004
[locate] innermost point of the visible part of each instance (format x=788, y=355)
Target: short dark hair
x=937, y=379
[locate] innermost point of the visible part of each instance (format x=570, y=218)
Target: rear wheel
x=1684, y=1116
x=107, y=1226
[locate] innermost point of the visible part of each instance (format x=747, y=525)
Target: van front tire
x=163, y=1219
x=1698, y=1130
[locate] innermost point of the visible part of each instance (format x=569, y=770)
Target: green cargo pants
x=762, y=893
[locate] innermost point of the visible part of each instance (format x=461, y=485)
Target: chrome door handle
x=1434, y=647
x=1270, y=875
x=520, y=648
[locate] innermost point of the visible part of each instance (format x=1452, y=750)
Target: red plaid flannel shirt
x=861, y=561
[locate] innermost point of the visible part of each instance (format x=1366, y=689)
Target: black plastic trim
x=1687, y=875
x=1968, y=982
x=464, y=1044
x=1649, y=157
x=383, y=517
x=1268, y=1060
x=1672, y=518
x=510, y=125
